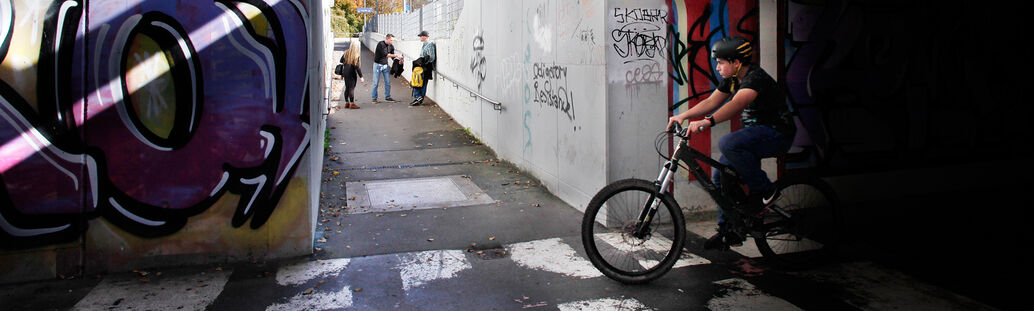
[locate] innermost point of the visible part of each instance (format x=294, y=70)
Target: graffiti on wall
x=639, y=41
x=550, y=88
x=689, y=54
x=847, y=64
x=695, y=27
x=641, y=34
x=148, y=114
x=580, y=35
x=477, y=59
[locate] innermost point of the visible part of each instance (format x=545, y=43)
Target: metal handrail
x=495, y=104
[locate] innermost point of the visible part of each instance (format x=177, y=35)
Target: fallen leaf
x=491, y=238
x=307, y=291
x=334, y=159
x=358, y=290
x=336, y=172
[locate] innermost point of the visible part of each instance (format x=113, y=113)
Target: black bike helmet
x=732, y=48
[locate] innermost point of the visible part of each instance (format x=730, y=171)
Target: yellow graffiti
x=287, y=232
x=19, y=68
x=150, y=84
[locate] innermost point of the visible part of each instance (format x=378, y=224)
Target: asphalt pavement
x=417, y=214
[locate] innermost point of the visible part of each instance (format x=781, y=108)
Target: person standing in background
x=381, y=68
x=427, y=61
x=350, y=60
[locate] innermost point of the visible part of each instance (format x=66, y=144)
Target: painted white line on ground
x=738, y=294
x=304, y=271
x=873, y=287
x=316, y=301
x=416, y=269
x=657, y=244
x=552, y=255
x=603, y=304
x=152, y=292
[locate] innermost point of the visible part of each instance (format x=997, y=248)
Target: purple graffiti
x=160, y=109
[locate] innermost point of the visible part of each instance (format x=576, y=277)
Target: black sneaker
x=389, y=99
x=374, y=100
x=715, y=242
x=733, y=239
x=768, y=198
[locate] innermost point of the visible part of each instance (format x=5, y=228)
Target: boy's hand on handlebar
x=699, y=126
x=673, y=120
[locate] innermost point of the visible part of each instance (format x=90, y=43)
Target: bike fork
x=650, y=209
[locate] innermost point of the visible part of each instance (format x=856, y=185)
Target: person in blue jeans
x=427, y=60
x=381, y=68
x=768, y=125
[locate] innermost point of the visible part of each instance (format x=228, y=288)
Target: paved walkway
x=415, y=214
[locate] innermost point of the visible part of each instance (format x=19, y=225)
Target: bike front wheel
x=618, y=243
x=800, y=229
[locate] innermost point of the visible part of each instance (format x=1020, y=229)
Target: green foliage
x=344, y=19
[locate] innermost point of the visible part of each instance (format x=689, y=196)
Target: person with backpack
x=768, y=126
x=425, y=65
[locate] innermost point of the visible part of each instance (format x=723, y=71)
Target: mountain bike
x=633, y=230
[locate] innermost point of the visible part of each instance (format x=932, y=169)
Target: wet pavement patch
x=488, y=251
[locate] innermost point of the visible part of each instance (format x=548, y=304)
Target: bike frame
x=690, y=156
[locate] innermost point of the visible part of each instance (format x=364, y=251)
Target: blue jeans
x=378, y=72
x=744, y=149
x=419, y=92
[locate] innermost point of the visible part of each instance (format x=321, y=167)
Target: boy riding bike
x=768, y=125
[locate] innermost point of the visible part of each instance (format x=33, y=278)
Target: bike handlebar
x=676, y=128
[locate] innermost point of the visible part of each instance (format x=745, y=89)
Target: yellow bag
x=418, y=77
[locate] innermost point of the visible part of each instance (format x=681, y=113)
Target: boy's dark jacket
x=428, y=67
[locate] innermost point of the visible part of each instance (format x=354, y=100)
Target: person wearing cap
x=381, y=54
x=426, y=60
x=768, y=126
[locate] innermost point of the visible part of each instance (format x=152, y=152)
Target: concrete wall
x=545, y=61
x=141, y=133
x=585, y=86
x=637, y=86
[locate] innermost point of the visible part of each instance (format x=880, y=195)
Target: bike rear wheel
x=809, y=236
x=610, y=238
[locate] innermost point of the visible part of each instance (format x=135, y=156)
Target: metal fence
x=438, y=18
